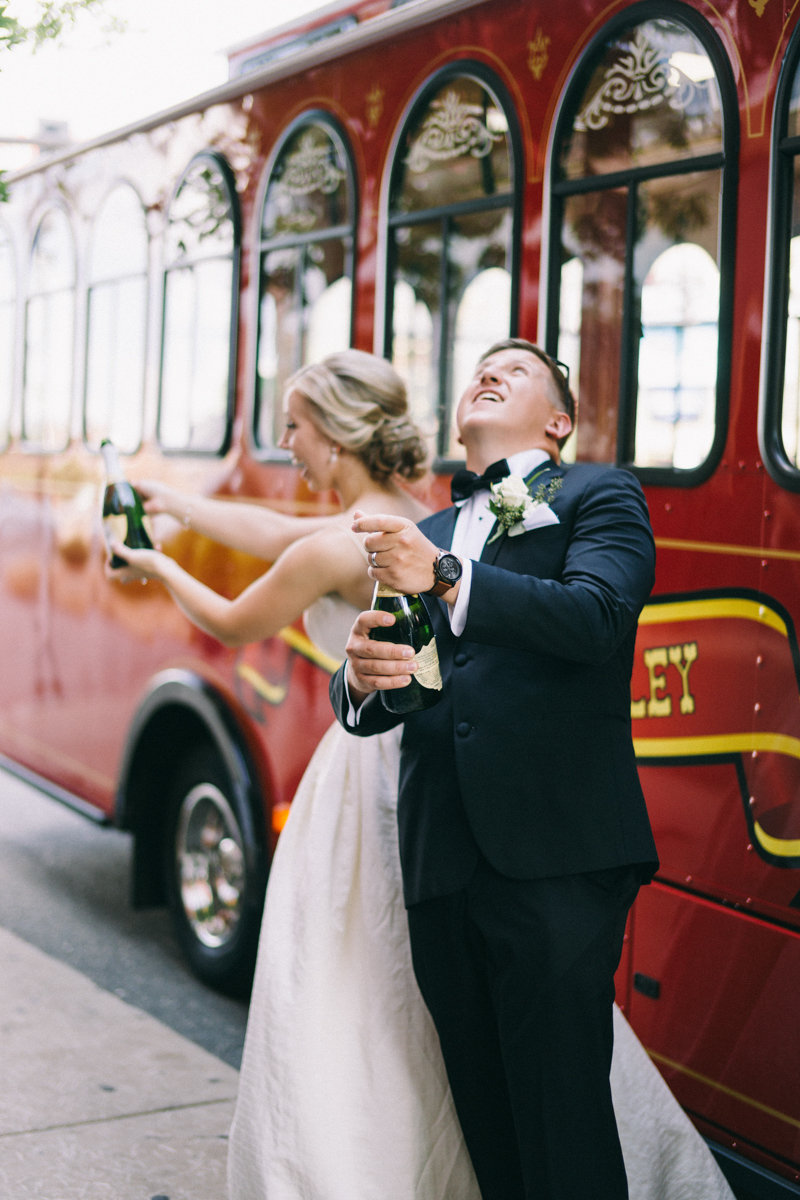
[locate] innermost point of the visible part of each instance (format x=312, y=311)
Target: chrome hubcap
x=210, y=862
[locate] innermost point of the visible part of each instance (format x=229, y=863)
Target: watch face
x=449, y=568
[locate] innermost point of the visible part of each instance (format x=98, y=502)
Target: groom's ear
x=559, y=427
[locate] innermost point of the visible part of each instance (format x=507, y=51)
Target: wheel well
x=179, y=712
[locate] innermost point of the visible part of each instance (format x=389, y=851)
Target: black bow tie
x=467, y=483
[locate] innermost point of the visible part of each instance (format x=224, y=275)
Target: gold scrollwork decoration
x=375, y=105
x=759, y=6
x=538, y=54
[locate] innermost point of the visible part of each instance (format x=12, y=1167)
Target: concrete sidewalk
x=98, y=1100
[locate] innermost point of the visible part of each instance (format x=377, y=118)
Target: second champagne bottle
x=123, y=511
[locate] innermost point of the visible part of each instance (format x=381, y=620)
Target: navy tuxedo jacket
x=528, y=755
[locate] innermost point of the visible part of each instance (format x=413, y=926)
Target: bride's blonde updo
x=359, y=401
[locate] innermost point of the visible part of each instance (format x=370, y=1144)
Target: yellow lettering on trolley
x=682, y=657
x=657, y=706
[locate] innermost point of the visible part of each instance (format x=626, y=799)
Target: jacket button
x=460, y=658
x=462, y=728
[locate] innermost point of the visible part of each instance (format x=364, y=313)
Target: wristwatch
x=447, y=571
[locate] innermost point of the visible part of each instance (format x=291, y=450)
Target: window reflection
x=679, y=316
x=8, y=303
x=306, y=265
x=117, y=317
x=594, y=234
x=413, y=347
x=569, y=335
x=455, y=150
x=638, y=286
x=790, y=425
x=49, y=334
x=652, y=96
x=483, y=317
x=199, y=298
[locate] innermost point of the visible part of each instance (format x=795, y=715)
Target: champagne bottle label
x=427, y=672
x=115, y=526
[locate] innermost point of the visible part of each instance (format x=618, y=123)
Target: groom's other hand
x=375, y=666
x=399, y=553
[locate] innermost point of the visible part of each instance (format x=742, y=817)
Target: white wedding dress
x=343, y=1093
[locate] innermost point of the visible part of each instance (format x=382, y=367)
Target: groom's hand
x=399, y=553
x=375, y=666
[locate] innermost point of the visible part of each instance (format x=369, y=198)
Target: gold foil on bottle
x=383, y=589
x=427, y=672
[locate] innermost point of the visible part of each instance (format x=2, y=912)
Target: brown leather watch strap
x=439, y=588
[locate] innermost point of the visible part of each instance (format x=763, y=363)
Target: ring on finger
x=373, y=558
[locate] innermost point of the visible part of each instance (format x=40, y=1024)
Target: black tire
x=215, y=874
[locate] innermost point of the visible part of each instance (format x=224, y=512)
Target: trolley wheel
x=215, y=898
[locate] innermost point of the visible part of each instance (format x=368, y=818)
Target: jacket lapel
x=542, y=473
x=440, y=527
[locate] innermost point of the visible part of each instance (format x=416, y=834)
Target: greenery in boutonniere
x=512, y=501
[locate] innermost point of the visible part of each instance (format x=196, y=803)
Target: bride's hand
x=161, y=498
x=141, y=565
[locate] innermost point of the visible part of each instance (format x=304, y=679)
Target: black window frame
x=784, y=151
x=512, y=201
x=348, y=232
x=222, y=165
x=726, y=161
x=90, y=284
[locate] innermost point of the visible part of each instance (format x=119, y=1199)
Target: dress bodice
x=329, y=619
x=328, y=622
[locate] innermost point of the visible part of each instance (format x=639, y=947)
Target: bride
x=343, y=1093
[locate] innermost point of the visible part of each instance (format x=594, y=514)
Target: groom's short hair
x=561, y=391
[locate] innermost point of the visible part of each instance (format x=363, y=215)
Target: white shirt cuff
x=353, y=713
x=458, y=612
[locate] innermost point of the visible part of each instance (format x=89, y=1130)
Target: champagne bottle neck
x=382, y=589
x=114, y=471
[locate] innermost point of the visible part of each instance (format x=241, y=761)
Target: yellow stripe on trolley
x=729, y=743
x=722, y=743
x=720, y=1087
x=706, y=610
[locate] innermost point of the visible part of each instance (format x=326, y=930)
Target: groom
x=523, y=830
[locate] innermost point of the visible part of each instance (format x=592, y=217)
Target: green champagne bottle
x=123, y=511
x=412, y=627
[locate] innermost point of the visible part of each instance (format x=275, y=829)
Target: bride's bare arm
x=252, y=528
x=308, y=569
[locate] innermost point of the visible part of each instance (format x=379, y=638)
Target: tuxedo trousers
x=518, y=976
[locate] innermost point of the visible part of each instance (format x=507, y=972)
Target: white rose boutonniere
x=517, y=510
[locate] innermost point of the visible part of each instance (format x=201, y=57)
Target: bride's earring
x=334, y=454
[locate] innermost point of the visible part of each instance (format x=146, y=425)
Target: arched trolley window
x=116, y=322
x=49, y=335
x=452, y=233
x=201, y=293
x=781, y=422
x=641, y=251
x=8, y=308
x=307, y=239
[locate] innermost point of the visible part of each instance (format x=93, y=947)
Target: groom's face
x=511, y=391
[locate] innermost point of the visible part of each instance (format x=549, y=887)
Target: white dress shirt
x=474, y=523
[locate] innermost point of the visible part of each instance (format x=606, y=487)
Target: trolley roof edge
x=377, y=29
